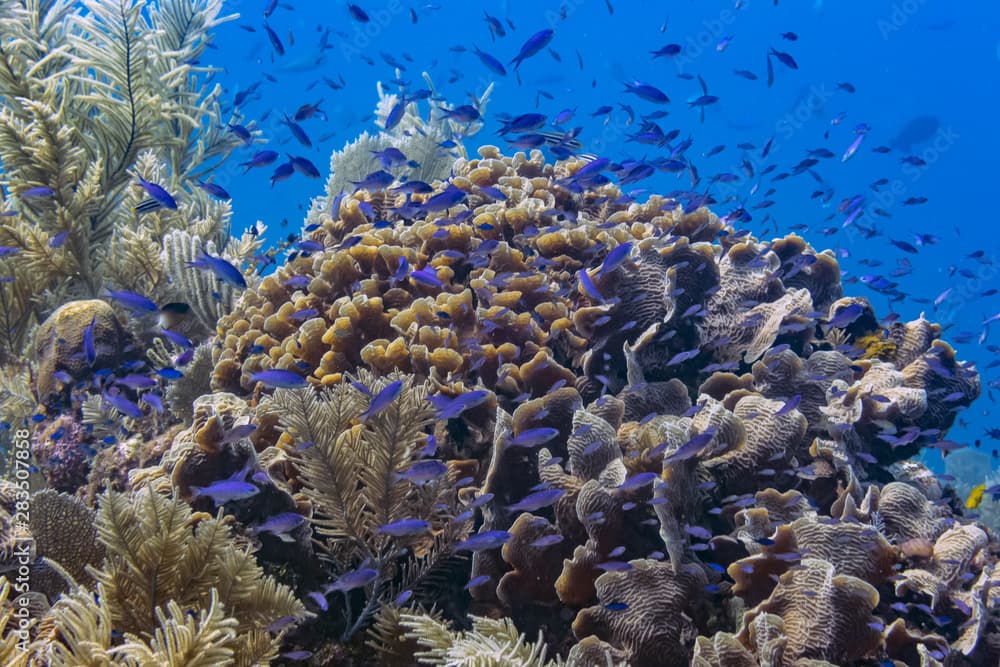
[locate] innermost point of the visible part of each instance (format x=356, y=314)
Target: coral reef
x=661, y=439
x=677, y=423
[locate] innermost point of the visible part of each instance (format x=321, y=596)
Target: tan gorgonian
x=89, y=89
x=351, y=472
x=174, y=584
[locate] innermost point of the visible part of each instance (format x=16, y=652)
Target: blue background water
x=905, y=59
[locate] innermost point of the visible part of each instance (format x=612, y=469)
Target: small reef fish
x=279, y=378
x=383, y=400
x=227, y=490
x=221, y=268
x=975, y=498
x=280, y=525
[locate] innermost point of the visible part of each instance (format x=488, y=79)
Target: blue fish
x=222, y=269
x=792, y=403
x=133, y=301
x=533, y=437
x=226, y=490
x=159, y=194
x=89, y=348
x=422, y=472
x=383, y=400
x=279, y=378
x=405, y=527
x=215, y=190
x=280, y=525
x=122, y=404
x=353, y=579
x=532, y=45
x=491, y=539
x=491, y=63
x=537, y=500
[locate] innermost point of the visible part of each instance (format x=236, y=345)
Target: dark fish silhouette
x=916, y=131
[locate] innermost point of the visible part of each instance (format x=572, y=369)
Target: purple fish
x=353, y=579
x=358, y=14
x=588, y=287
x=533, y=437
x=693, y=446
x=390, y=157
x=383, y=400
x=422, y=472
x=280, y=525
x=637, y=480
x=615, y=258
x=122, y=404
x=89, y=348
x=786, y=59
x=405, y=527
x=136, y=382
x=133, y=301
x=159, y=194
x=279, y=378
x=226, y=490
x=297, y=655
x=444, y=200
x=477, y=581
x=377, y=180
x=237, y=433
x=176, y=338
x=275, y=41
x=450, y=408
x=532, y=45
x=613, y=566
x=319, y=599
x=427, y=276
x=303, y=166
x=260, y=159
x=547, y=540
x=40, y=191
x=215, y=190
x=790, y=405
x=681, y=357
x=221, y=268
x=537, y=500
x=282, y=172
x=846, y=316
x=491, y=539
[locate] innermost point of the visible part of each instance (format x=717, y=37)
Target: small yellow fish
x=975, y=497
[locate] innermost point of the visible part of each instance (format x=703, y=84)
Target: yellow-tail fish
x=975, y=497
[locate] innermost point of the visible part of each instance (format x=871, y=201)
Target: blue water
x=905, y=60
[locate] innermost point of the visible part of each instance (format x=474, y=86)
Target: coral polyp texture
x=683, y=443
